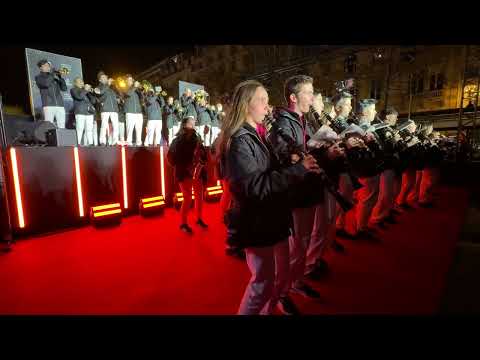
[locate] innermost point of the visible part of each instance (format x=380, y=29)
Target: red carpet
x=147, y=266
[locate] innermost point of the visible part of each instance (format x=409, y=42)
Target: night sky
x=112, y=59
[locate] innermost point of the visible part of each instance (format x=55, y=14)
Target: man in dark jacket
x=133, y=111
x=154, y=107
x=187, y=102
x=83, y=107
x=299, y=95
x=172, y=118
x=108, y=109
x=203, y=120
x=51, y=86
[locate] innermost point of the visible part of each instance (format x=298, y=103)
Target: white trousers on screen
x=51, y=113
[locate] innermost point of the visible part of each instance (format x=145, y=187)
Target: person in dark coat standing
x=83, y=107
x=259, y=216
x=51, y=85
x=188, y=103
x=188, y=157
x=154, y=105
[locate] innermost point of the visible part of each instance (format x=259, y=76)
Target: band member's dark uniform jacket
x=154, y=107
x=189, y=106
x=107, y=99
x=214, y=118
x=203, y=117
x=259, y=215
x=132, y=104
x=310, y=193
x=83, y=101
x=172, y=118
x=51, y=86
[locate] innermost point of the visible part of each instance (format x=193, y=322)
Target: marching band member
x=171, y=118
x=203, y=120
x=187, y=103
x=51, y=85
x=83, y=107
x=108, y=109
x=133, y=111
x=154, y=107
x=298, y=92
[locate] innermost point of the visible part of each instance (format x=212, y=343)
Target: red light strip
x=162, y=171
x=79, y=181
x=124, y=175
x=18, y=193
x=215, y=192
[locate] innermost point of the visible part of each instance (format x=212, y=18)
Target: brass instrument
x=200, y=95
x=62, y=71
x=146, y=87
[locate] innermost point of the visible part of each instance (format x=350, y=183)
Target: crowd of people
x=117, y=109
x=290, y=174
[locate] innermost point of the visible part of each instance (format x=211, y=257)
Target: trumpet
x=62, y=71
x=200, y=95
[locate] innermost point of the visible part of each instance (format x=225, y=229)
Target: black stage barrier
x=49, y=192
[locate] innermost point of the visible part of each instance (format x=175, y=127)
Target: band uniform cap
x=353, y=129
x=367, y=102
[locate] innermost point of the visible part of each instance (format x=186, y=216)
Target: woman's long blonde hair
x=237, y=113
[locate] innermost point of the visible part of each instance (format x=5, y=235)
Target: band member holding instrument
x=203, y=120
x=259, y=216
x=342, y=105
x=133, y=111
x=108, y=110
x=188, y=157
x=299, y=95
x=154, y=105
x=172, y=119
x=51, y=85
x=367, y=195
x=83, y=107
x=187, y=103
x=389, y=182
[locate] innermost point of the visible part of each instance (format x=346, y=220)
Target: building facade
x=420, y=81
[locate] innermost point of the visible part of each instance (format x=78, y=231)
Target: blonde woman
x=259, y=215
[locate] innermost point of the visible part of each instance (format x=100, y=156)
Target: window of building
x=350, y=64
x=440, y=81
x=420, y=83
x=375, y=89
x=433, y=82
